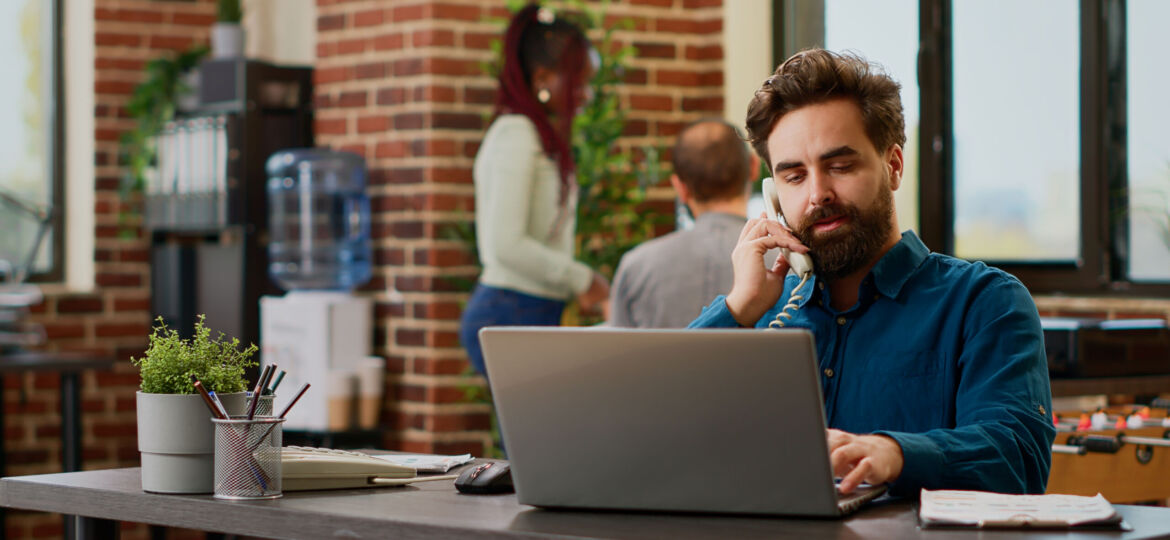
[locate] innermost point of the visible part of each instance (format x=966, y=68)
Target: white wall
x=78, y=42
x=281, y=31
x=747, y=54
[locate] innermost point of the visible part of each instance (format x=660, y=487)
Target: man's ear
x=897, y=166
x=684, y=193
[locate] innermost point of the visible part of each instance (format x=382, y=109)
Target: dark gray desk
x=436, y=510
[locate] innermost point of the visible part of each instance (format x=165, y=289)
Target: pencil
x=300, y=393
x=279, y=377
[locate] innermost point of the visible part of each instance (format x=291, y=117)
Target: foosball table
x=1122, y=453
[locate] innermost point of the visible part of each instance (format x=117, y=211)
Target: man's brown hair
x=711, y=159
x=815, y=76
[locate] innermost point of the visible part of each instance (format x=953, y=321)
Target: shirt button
x=829, y=372
x=821, y=285
x=840, y=321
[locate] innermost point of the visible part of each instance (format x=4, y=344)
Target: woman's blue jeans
x=492, y=306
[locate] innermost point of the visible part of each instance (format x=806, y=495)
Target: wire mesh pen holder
x=247, y=458
x=264, y=408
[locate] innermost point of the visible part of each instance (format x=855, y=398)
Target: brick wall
x=400, y=83
x=114, y=319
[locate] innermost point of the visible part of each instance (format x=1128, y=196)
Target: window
x=1148, y=160
x=848, y=26
x=30, y=128
x=1016, y=144
x=1039, y=129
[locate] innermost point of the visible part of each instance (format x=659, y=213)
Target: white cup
x=371, y=374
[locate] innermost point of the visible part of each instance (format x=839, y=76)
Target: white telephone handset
x=801, y=263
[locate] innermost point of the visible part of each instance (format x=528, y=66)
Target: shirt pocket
x=907, y=391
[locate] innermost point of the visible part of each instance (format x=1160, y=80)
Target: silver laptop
x=664, y=420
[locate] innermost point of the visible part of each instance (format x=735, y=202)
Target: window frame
x=1104, y=237
x=56, y=147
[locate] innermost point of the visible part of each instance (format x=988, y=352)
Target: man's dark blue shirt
x=944, y=356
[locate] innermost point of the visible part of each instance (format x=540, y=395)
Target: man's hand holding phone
x=755, y=288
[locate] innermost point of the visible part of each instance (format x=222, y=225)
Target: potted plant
x=227, y=36
x=176, y=437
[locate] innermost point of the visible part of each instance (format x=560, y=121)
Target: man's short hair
x=815, y=76
x=711, y=159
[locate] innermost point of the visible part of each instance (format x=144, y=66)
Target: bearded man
x=932, y=368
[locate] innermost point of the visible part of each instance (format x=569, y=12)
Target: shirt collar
x=894, y=269
x=709, y=219
x=890, y=273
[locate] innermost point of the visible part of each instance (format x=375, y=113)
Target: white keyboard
x=305, y=468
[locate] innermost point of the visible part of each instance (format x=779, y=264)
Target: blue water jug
x=319, y=220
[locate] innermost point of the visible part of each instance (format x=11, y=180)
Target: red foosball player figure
x=1084, y=424
x=1144, y=412
x=1055, y=420
x=1120, y=422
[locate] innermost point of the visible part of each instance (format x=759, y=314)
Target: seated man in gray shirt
x=664, y=283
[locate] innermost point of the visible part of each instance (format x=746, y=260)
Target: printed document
x=984, y=509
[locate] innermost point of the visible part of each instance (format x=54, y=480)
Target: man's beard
x=854, y=244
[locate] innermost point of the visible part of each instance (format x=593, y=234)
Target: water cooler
x=319, y=332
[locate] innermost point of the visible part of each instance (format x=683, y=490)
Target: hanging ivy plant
x=152, y=105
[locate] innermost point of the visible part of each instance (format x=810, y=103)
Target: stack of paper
x=430, y=463
x=983, y=509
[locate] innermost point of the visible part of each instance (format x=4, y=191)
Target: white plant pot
x=176, y=439
x=227, y=40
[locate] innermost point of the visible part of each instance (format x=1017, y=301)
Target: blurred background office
x=1034, y=144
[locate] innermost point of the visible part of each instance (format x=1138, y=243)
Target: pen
x=256, y=391
x=206, y=397
x=288, y=407
x=267, y=379
x=279, y=377
x=215, y=411
x=220, y=412
x=218, y=403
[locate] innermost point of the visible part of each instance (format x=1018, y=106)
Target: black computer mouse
x=491, y=477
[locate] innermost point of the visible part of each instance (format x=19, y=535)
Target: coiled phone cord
x=793, y=303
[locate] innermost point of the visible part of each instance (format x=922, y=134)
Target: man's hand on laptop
x=873, y=459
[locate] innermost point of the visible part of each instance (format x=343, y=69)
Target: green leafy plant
x=611, y=216
x=228, y=11
x=170, y=361
x=152, y=105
